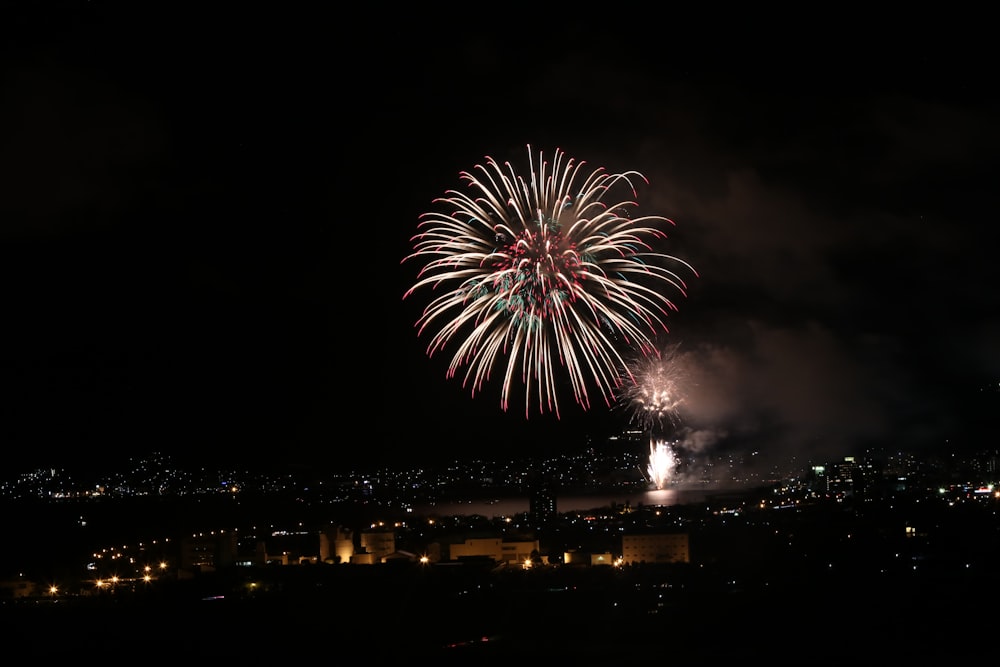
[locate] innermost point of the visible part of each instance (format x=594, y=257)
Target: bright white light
x=661, y=463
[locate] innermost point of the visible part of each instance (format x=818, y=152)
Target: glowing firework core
x=535, y=274
x=661, y=463
x=657, y=403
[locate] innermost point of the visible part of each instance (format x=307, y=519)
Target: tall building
x=542, y=503
x=336, y=545
x=841, y=477
x=208, y=552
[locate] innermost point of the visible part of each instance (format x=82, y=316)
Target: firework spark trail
x=550, y=278
x=661, y=463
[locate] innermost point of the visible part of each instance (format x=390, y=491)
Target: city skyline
x=205, y=226
x=617, y=465
x=906, y=538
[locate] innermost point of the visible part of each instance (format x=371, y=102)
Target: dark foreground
x=450, y=614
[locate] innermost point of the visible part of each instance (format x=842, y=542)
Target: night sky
x=204, y=215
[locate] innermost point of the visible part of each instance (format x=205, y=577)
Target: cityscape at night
x=401, y=333
x=627, y=557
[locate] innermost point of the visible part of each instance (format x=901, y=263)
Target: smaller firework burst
x=661, y=463
x=655, y=396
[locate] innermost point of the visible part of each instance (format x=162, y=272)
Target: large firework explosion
x=545, y=275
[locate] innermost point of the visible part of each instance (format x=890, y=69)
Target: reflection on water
x=660, y=497
x=568, y=503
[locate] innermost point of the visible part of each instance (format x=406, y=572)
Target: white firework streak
x=661, y=463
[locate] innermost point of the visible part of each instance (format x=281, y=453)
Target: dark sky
x=203, y=216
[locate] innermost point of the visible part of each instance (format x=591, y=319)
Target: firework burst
x=546, y=278
x=655, y=396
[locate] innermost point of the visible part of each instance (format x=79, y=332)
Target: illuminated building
x=500, y=550
x=336, y=545
x=576, y=557
x=287, y=547
x=379, y=543
x=840, y=477
x=655, y=548
x=848, y=478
